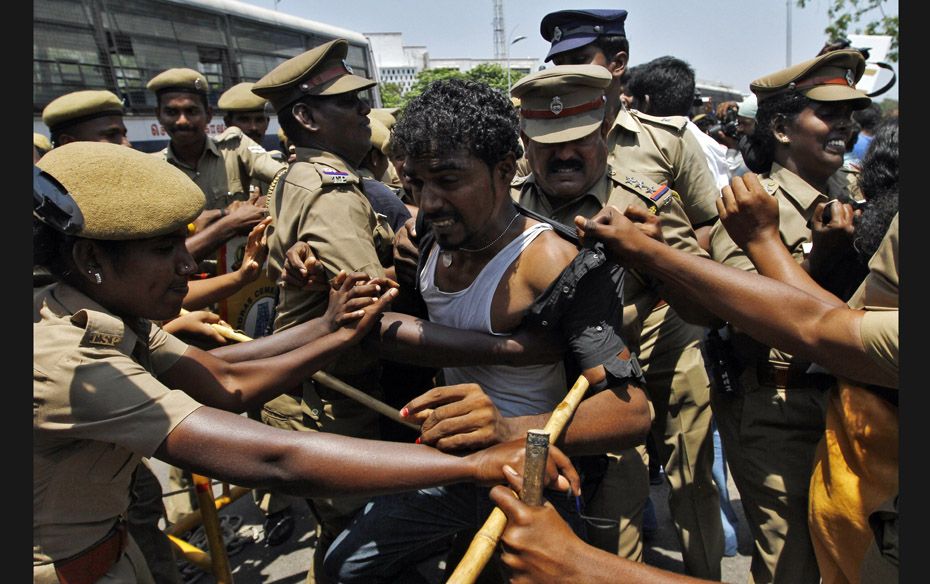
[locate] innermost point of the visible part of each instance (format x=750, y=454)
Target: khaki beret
x=829, y=77
x=239, y=98
x=385, y=115
x=123, y=193
x=179, y=79
x=320, y=71
x=562, y=103
x=380, y=135
x=41, y=142
x=79, y=106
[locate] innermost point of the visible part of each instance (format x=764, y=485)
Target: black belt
x=792, y=376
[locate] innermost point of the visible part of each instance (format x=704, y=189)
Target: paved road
x=254, y=563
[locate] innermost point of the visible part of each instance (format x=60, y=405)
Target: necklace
x=446, y=256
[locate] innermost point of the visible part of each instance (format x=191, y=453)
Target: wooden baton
x=485, y=541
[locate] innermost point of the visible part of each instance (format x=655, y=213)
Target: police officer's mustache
x=567, y=165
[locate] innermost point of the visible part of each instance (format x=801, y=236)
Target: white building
x=397, y=63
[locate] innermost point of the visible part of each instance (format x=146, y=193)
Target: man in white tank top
x=488, y=267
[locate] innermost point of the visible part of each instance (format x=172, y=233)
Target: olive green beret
x=123, y=193
x=41, y=142
x=380, y=135
x=79, y=106
x=239, y=98
x=179, y=79
x=385, y=115
x=829, y=77
x=562, y=103
x=320, y=71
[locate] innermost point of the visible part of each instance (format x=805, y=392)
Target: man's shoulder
x=662, y=124
x=318, y=176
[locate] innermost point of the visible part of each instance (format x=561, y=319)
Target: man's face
x=253, y=124
x=566, y=170
x=184, y=117
x=103, y=129
x=745, y=126
x=459, y=196
x=589, y=54
x=342, y=125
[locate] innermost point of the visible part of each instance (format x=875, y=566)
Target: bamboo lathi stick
x=485, y=541
x=329, y=381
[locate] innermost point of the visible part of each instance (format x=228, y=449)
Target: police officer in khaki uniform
x=89, y=115
x=771, y=424
x=223, y=167
x=110, y=386
x=658, y=149
x=97, y=116
x=320, y=201
x=562, y=111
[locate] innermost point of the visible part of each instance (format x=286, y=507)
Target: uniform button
x=599, y=327
x=545, y=323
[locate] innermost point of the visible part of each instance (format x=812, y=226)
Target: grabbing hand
x=197, y=323
x=406, y=254
x=748, y=212
x=622, y=238
x=242, y=217
x=509, y=457
x=302, y=269
x=537, y=545
x=457, y=418
x=354, y=305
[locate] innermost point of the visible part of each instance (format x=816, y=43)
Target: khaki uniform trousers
x=770, y=436
x=679, y=390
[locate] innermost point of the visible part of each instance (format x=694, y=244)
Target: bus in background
x=119, y=46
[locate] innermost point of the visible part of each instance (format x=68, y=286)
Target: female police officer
x=803, y=120
x=109, y=386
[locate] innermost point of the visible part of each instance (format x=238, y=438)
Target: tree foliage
x=390, y=95
x=490, y=73
x=846, y=15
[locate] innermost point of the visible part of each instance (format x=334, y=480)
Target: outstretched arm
x=234, y=448
x=777, y=314
x=239, y=383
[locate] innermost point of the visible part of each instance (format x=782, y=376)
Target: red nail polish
x=417, y=441
x=405, y=412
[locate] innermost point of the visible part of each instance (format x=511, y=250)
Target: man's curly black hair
x=452, y=114
x=879, y=184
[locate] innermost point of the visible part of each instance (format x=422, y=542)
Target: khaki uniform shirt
x=227, y=167
x=796, y=203
x=98, y=408
x=620, y=190
x=660, y=149
x=878, y=295
x=321, y=202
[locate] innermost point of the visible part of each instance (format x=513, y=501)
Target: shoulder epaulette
x=101, y=330
x=331, y=176
x=677, y=123
x=654, y=195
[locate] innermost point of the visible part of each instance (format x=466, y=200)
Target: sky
x=727, y=42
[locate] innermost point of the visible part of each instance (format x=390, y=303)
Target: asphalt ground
x=253, y=562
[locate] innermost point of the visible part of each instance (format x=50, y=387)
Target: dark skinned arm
x=538, y=547
x=777, y=314
x=235, y=449
x=243, y=384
